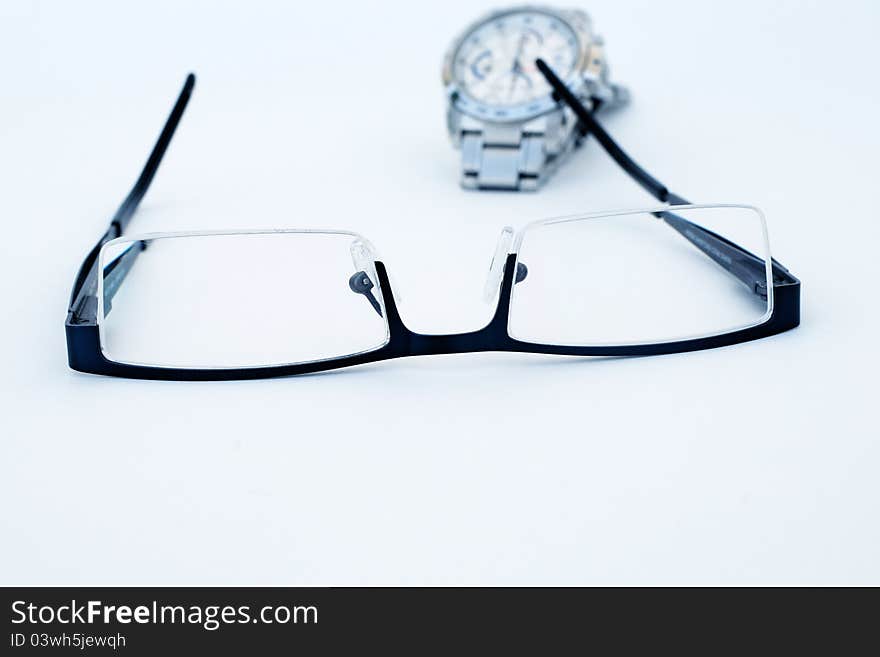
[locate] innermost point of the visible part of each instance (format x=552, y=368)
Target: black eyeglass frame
x=84, y=342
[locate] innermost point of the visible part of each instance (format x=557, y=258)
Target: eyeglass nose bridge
x=492, y=337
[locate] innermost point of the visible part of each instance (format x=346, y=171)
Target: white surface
x=751, y=464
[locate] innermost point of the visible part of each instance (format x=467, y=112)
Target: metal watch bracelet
x=514, y=156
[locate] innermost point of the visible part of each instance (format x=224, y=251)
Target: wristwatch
x=502, y=114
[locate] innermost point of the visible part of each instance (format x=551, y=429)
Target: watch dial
x=495, y=63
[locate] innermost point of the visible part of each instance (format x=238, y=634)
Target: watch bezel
x=577, y=21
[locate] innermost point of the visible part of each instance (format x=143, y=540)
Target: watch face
x=495, y=62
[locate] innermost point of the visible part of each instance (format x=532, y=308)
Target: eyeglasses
x=220, y=305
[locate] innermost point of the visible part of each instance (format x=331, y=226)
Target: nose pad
x=363, y=256
x=496, y=269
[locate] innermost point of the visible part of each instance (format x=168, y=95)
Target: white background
x=754, y=464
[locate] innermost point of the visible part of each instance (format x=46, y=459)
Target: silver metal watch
x=501, y=113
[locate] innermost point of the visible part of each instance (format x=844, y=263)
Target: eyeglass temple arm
x=744, y=265
x=85, y=286
x=115, y=272
x=132, y=201
x=115, y=275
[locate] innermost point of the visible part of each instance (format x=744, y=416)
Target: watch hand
x=513, y=79
x=519, y=48
x=516, y=68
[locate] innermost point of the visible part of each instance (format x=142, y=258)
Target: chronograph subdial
x=481, y=66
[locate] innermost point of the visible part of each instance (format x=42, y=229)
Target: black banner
x=149, y=621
